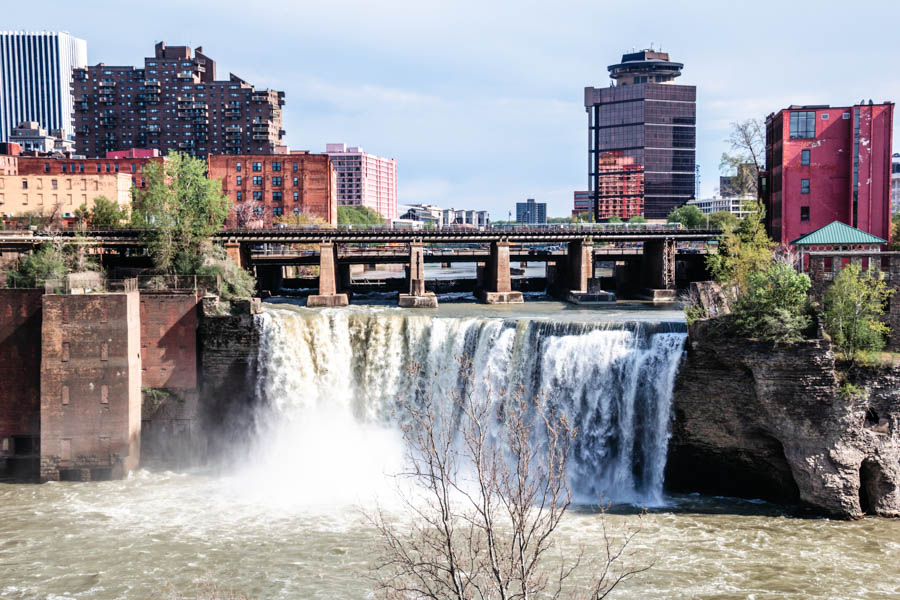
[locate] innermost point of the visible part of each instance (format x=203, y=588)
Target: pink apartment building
x=364, y=179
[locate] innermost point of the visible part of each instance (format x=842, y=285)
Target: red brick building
x=133, y=163
x=826, y=164
x=173, y=103
x=264, y=187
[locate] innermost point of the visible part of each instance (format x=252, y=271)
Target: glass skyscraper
x=643, y=120
x=36, y=77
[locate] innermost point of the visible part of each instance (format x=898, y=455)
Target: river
x=286, y=518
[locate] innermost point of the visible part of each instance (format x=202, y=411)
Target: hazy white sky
x=481, y=102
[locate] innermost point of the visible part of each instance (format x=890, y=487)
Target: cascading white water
x=329, y=382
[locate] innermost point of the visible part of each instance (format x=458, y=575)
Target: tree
x=614, y=219
x=747, y=141
x=107, y=213
x=492, y=491
x=895, y=233
x=774, y=306
x=47, y=262
x=688, y=215
x=358, y=215
x=637, y=219
x=742, y=251
x=853, y=305
x=299, y=219
x=724, y=220
x=179, y=210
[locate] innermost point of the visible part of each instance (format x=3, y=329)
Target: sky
x=482, y=102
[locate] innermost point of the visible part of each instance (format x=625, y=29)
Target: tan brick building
x=60, y=195
x=264, y=187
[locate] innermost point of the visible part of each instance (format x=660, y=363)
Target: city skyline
x=453, y=98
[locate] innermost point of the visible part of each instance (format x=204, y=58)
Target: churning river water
x=286, y=519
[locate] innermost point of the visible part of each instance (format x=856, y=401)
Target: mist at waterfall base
x=331, y=384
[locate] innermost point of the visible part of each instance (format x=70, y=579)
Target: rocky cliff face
x=759, y=421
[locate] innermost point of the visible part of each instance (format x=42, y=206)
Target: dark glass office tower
x=645, y=117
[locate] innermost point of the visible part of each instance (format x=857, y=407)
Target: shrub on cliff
x=853, y=305
x=48, y=262
x=743, y=250
x=774, y=305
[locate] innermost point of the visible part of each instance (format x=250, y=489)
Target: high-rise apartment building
x=35, y=77
x=365, y=179
x=642, y=133
x=826, y=164
x=174, y=102
x=531, y=212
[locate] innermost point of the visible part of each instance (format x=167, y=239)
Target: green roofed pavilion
x=838, y=234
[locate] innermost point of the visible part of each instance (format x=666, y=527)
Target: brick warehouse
x=262, y=188
x=173, y=103
x=828, y=164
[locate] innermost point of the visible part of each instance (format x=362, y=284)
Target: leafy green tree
x=179, y=210
x=895, y=233
x=774, y=306
x=47, y=262
x=637, y=219
x=853, y=305
x=688, y=215
x=614, y=219
x=724, y=220
x=742, y=251
x=358, y=215
x=106, y=213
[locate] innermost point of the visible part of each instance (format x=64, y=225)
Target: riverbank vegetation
x=854, y=304
x=358, y=215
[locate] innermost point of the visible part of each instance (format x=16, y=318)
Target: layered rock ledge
x=756, y=420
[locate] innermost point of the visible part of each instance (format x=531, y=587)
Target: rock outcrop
x=759, y=421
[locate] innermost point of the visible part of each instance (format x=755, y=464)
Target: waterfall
x=329, y=382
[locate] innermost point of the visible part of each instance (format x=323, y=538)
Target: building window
x=104, y=394
x=803, y=124
x=24, y=184
x=65, y=394
x=257, y=180
x=258, y=211
x=804, y=186
x=237, y=166
x=104, y=351
x=46, y=167
x=296, y=196
x=65, y=352
x=296, y=210
x=296, y=181
x=238, y=180
x=240, y=196
x=257, y=166
x=277, y=211
x=804, y=157
x=276, y=196
x=295, y=166
x=257, y=196
x=54, y=184
x=276, y=181
x=804, y=213
x=276, y=166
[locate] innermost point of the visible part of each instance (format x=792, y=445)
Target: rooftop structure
x=34, y=138
x=645, y=66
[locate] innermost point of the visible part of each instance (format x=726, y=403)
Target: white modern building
x=424, y=213
x=35, y=79
x=736, y=205
x=478, y=219
x=364, y=179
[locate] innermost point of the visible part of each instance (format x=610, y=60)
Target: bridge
x=335, y=248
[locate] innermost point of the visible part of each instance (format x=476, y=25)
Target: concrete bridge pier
x=580, y=284
x=659, y=270
x=417, y=296
x=496, y=286
x=238, y=253
x=328, y=280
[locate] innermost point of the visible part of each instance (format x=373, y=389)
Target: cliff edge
x=780, y=422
